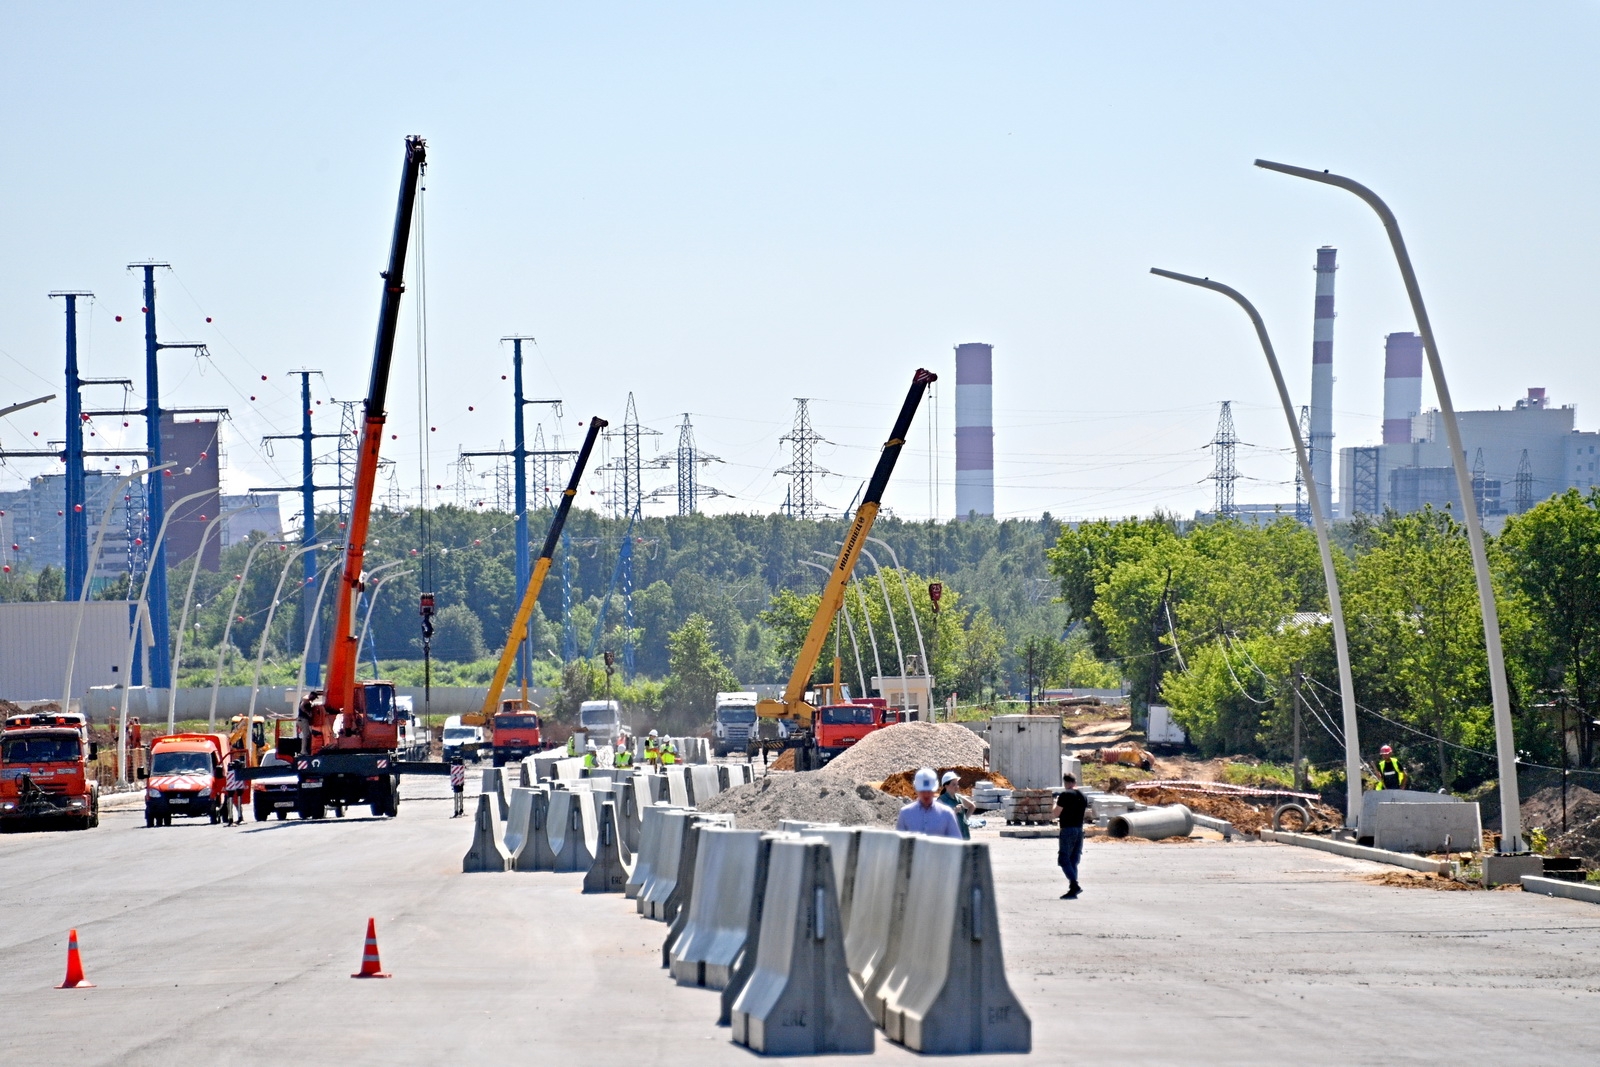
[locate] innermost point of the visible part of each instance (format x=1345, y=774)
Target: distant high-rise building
x=974, y=430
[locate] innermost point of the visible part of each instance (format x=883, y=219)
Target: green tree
x=698, y=674
x=458, y=635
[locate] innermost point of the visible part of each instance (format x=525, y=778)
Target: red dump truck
x=187, y=776
x=44, y=771
x=517, y=732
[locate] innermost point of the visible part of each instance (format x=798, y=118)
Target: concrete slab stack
x=798, y=999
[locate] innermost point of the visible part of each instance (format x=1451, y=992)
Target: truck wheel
x=282, y=815
x=262, y=811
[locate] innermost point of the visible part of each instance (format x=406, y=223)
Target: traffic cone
x=75, y=979
x=370, y=967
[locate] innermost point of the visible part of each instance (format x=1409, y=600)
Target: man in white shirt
x=923, y=815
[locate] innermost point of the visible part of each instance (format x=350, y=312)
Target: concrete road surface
x=216, y=945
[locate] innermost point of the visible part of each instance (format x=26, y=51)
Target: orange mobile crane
x=344, y=753
x=796, y=716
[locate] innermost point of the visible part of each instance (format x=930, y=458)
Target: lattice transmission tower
x=627, y=495
x=1226, y=472
x=1523, y=486
x=802, y=470
x=1302, y=505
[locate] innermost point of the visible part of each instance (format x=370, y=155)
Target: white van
x=462, y=742
x=602, y=719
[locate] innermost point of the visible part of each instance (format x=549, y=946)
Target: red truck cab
x=187, y=777
x=44, y=770
x=841, y=725
x=516, y=732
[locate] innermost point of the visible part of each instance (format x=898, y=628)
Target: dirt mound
x=1247, y=814
x=906, y=746
x=1544, y=808
x=900, y=784
x=816, y=796
x=1419, y=880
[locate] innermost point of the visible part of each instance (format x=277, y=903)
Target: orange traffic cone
x=370, y=967
x=75, y=978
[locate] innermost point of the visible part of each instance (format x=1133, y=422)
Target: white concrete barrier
x=649, y=787
x=535, y=854
x=678, y=786
x=733, y=775
x=652, y=899
x=486, y=853
x=609, y=872
x=569, y=840
x=704, y=783
x=798, y=999
x=842, y=842
x=492, y=784
x=569, y=770
x=1448, y=826
x=626, y=799
x=882, y=873
x=946, y=990
x=718, y=916
x=649, y=848
x=518, y=821
x=544, y=765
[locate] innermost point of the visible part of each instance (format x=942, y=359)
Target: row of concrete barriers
x=814, y=934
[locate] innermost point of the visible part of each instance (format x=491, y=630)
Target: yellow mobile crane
x=792, y=710
x=515, y=725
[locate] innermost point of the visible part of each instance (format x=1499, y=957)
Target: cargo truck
x=732, y=722
x=517, y=732
x=44, y=771
x=186, y=778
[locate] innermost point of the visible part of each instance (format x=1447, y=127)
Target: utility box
x=1026, y=749
x=1162, y=730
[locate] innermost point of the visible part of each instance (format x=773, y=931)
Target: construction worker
x=950, y=796
x=925, y=815
x=458, y=783
x=652, y=750
x=669, y=752
x=572, y=745
x=623, y=757
x=591, y=758
x=1390, y=774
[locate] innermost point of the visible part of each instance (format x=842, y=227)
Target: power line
x=802, y=470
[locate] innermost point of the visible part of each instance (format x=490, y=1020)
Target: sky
x=722, y=207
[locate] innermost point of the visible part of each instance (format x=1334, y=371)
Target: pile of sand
x=815, y=796
x=907, y=746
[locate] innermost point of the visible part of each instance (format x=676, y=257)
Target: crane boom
x=793, y=707
x=339, y=698
x=541, y=567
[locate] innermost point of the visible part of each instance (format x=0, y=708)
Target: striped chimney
x=1321, y=443
x=974, y=430
x=1402, y=386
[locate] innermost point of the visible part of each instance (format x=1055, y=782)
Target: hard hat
x=652, y=733
x=949, y=776
x=1385, y=750
x=925, y=781
x=590, y=746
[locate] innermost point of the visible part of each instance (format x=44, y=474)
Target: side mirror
x=142, y=773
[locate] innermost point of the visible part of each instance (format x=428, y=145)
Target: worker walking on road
x=458, y=784
x=1070, y=808
x=1390, y=774
x=950, y=796
x=925, y=815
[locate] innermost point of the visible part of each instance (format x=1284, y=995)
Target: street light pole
x=316, y=610
x=1319, y=522
x=183, y=617
x=261, y=652
x=227, y=629
x=1511, y=839
x=844, y=609
x=905, y=694
x=911, y=606
x=372, y=601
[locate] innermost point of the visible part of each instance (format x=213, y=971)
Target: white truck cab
x=601, y=719
x=733, y=722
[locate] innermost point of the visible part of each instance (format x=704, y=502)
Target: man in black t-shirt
x=1071, y=807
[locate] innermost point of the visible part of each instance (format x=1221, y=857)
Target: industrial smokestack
x=1322, y=377
x=1402, y=386
x=974, y=430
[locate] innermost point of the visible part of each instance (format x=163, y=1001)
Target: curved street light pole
x=1319, y=522
x=133, y=639
x=88, y=574
x=844, y=609
x=1500, y=691
x=911, y=606
x=872, y=638
x=372, y=601
x=311, y=630
x=261, y=652
x=905, y=694
x=227, y=629
x=183, y=616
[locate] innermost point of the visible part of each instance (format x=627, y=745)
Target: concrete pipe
x=1174, y=820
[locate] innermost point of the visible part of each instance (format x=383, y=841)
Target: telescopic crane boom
x=541, y=567
x=792, y=708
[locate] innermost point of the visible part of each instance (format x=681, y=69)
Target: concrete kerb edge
x=1555, y=887
x=1359, y=852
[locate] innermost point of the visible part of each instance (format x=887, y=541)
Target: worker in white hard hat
x=1390, y=774
x=950, y=796
x=591, y=757
x=925, y=815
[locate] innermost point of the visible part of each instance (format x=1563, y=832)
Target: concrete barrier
x=626, y=799
x=718, y=916
x=492, y=784
x=946, y=990
x=535, y=854
x=704, y=783
x=486, y=853
x=1371, y=798
x=683, y=886
x=652, y=899
x=842, y=842
x=524, y=773
x=569, y=770
x=1452, y=826
x=569, y=838
x=1556, y=887
x=518, y=822
x=1359, y=852
x=678, y=786
x=798, y=999
x=878, y=893
x=800, y=826
x=644, y=858
x=649, y=787
x=609, y=872
x=544, y=765
x=733, y=775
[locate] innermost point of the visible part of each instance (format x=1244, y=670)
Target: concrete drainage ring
x=1298, y=809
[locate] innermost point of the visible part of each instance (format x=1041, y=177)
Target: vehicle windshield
x=736, y=714
x=516, y=722
x=458, y=733
x=42, y=750
x=849, y=715
x=180, y=763
x=598, y=716
x=378, y=706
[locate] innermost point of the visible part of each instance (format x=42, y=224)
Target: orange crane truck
x=789, y=721
x=345, y=752
x=44, y=771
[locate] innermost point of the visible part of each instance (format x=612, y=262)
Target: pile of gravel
x=907, y=746
x=816, y=796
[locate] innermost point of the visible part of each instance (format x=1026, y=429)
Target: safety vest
x=588, y=759
x=650, y=750
x=623, y=758
x=668, y=756
x=572, y=746
x=1389, y=772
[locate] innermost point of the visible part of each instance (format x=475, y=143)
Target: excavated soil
x=1247, y=814
x=816, y=796
x=900, y=784
x=1420, y=880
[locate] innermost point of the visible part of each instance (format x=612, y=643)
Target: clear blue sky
x=721, y=207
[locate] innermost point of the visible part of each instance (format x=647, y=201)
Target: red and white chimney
x=1402, y=386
